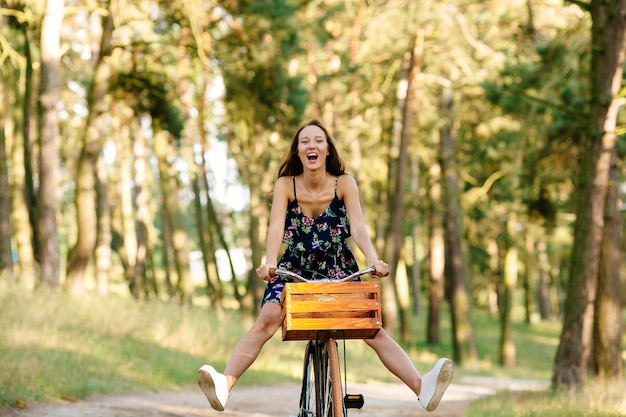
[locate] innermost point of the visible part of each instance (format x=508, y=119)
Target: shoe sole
x=207, y=385
x=444, y=377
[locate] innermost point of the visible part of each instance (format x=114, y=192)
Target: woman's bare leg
x=249, y=347
x=396, y=360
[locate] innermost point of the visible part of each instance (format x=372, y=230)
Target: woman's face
x=312, y=147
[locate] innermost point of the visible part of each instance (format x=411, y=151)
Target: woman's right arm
x=280, y=201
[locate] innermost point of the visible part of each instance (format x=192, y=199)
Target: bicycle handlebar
x=290, y=274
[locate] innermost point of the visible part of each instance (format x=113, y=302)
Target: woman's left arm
x=349, y=192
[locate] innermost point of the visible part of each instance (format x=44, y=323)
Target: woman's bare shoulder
x=346, y=184
x=284, y=187
x=283, y=181
x=346, y=179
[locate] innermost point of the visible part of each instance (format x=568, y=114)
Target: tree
x=455, y=273
x=19, y=81
x=398, y=178
x=607, y=328
x=178, y=239
x=91, y=150
x=436, y=245
x=6, y=254
x=598, y=141
x=49, y=143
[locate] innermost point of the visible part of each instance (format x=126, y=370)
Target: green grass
x=596, y=401
x=54, y=346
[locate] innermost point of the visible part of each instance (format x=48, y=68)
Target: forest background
x=484, y=136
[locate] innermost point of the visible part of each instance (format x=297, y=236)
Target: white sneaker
x=214, y=385
x=434, y=384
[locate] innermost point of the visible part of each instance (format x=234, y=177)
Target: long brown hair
x=293, y=165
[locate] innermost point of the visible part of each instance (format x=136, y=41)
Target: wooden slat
x=293, y=306
x=333, y=287
x=324, y=334
x=333, y=324
x=326, y=296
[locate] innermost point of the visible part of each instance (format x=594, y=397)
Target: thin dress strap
x=336, y=181
x=293, y=178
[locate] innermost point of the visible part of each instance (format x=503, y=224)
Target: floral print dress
x=316, y=248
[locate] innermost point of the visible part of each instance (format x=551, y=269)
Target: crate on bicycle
x=340, y=310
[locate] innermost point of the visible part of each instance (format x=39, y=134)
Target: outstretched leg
x=249, y=347
x=217, y=386
x=428, y=388
x=396, y=360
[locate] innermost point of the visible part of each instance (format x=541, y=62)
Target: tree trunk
x=351, y=135
x=529, y=276
x=254, y=288
x=416, y=270
x=397, y=177
x=607, y=329
x=206, y=244
x=49, y=144
x=124, y=215
x=215, y=229
x=103, y=244
x=463, y=341
x=179, y=238
x=543, y=285
x=211, y=230
x=6, y=253
x=7, y=102
x=27, y=243
x=86, y=177
x=21, y=212
x=436, y=254
x=168, y=253
x=608, y=23
x=398, y=189
x=259, y=177
x=507, y=347
x=142, y=210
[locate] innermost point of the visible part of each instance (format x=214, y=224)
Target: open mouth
x=312, y=157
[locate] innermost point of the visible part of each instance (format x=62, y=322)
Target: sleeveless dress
x=314, y=245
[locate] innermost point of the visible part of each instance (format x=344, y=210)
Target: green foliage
x=149, y=93
x=255, y=64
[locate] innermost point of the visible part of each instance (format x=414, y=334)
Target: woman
x=315, y=208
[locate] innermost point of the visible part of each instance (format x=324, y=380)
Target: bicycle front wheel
x=333, y=396
x=308, y=401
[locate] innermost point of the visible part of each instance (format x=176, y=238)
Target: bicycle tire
x=308, y=405
x=334, y=392
x=321, y=376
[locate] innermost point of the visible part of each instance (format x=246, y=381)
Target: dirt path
x=381, y=400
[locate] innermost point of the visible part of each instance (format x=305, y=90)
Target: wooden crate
x=341, y=310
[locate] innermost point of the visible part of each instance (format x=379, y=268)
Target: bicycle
x=321, y=312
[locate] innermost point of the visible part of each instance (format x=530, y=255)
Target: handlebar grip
x=272, y=272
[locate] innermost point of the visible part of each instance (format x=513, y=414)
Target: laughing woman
x=315, y=209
